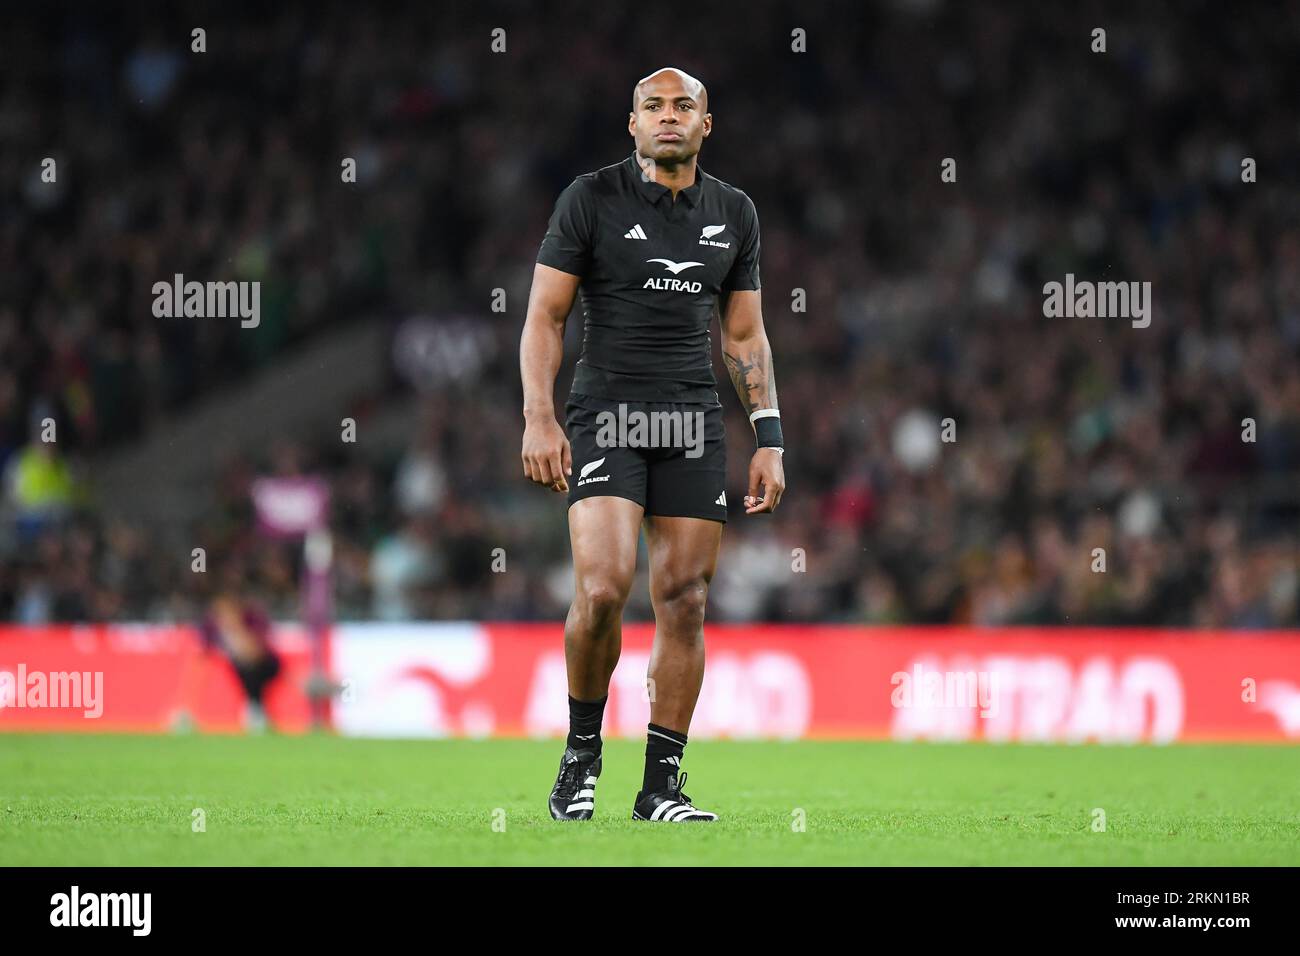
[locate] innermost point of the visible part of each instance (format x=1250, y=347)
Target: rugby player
x=656, y=246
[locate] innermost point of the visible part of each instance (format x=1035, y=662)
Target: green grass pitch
x=323, y=800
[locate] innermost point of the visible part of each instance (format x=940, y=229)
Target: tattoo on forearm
x=751, y=373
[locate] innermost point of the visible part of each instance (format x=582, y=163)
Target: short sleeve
x=744, y=271
x=570, y=235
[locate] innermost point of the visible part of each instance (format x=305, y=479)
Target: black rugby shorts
x=668, y=457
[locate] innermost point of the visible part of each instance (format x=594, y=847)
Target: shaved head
x=690, y=84
x=670, y=117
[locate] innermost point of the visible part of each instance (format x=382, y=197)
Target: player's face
x=669, y=123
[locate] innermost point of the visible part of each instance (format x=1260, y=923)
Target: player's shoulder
x=732, y=196
x=721, y=184
x=598, y=183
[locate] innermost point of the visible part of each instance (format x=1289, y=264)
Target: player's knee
x=682, y=602
x=601, y=598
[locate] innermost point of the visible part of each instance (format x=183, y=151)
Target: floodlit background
x=923, y=302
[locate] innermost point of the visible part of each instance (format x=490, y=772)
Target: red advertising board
x=98, y=678
x=1110, y=686
x=467, y=679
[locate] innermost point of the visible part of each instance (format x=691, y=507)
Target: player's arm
x=562, y=261
x=546, y=456
x=748, y=357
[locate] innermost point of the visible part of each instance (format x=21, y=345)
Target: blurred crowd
x=953, y=455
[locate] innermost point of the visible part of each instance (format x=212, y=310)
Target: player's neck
x=676, y=176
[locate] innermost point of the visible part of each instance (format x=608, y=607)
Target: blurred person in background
x=39, y=488
x=237, y=629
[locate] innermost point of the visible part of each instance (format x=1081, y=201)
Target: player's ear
x=708, y=123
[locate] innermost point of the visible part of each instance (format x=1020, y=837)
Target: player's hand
x=766, y=474
x=546, y=456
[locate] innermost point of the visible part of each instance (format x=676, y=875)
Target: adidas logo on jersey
x=636, y=232
x=722, y=500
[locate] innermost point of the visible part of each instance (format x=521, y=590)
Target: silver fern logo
x=587, y=469
x=707, y=234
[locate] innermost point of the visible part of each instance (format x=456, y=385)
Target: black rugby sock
x=663, y=757
x=585, y=717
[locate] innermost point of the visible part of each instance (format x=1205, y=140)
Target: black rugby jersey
x=651, y=270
